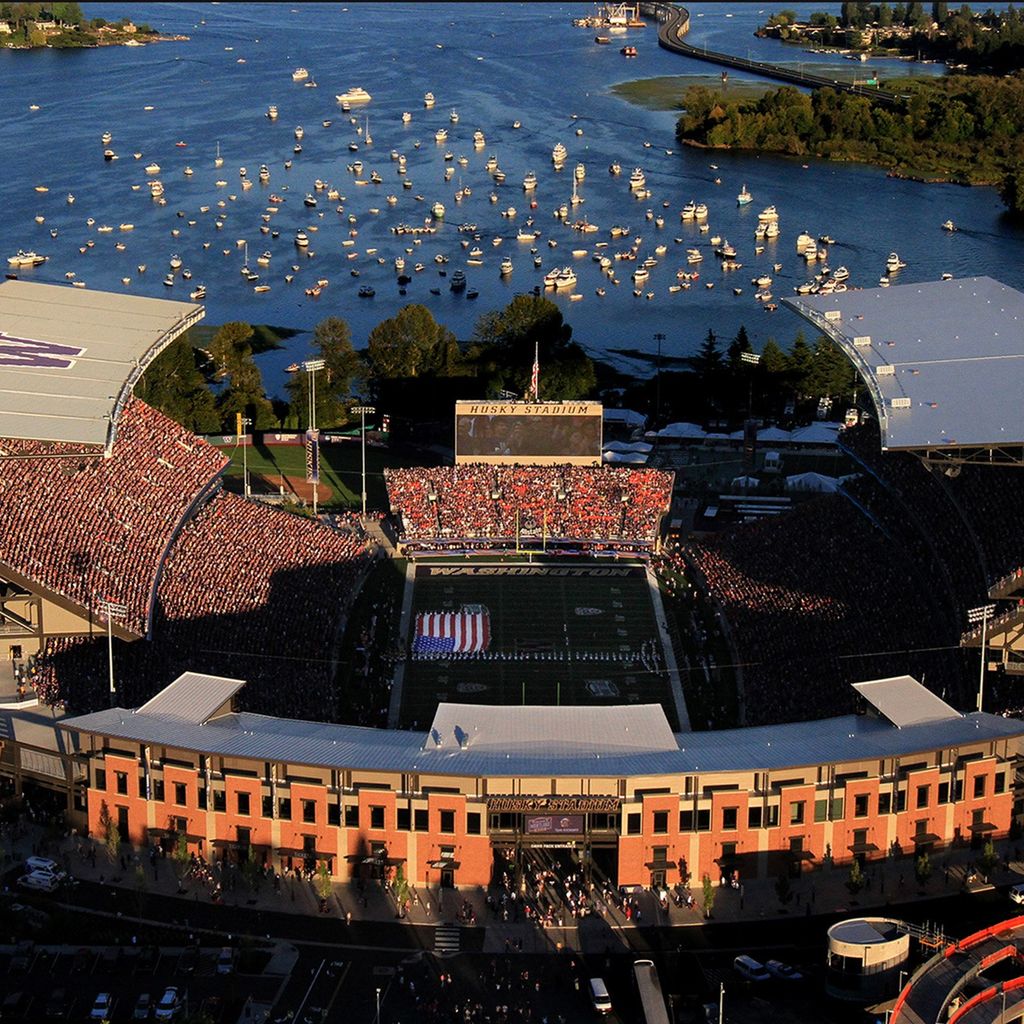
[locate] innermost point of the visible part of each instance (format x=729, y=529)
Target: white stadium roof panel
x=70, y=357
x=943, y=360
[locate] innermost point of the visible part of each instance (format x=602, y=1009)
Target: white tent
x=627, y=417
x=629, y=446
x=773, y=435
x=816, y=433
x=625, y=458
x=746, y=483
x=682, y=430
x=811, y=482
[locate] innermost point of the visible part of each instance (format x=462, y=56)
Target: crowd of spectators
x=503, y=502
x=88, y=527
x=247, y=591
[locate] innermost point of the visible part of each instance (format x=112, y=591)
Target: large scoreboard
x=541, y=433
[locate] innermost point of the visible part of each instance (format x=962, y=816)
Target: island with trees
x=989, y=41
x=965, y=129
x=29, y=26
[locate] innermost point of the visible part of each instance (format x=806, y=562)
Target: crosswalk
x=447, y=939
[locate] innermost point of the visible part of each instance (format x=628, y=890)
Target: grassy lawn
x=666, y=91
x=340, y=469
x=546, y=615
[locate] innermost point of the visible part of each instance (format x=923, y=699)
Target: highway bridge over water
x=674, y=23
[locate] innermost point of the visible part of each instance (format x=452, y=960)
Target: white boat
x=949, y=226
x=356, y=95
x=772, y=230
x=563, y=277
x=894, y=263
x=300, y=132
x=437, y=210
x=175, y=262
x=106, y=138
x=810, y=252
x=840, y=274
x=454, y=117
x=700, y=212
x=152, y=168
x=428, y=99
x=399, y=263
x=441, y=135
x=300, y=75
x=26, y=259
x=694, y=256
x=768, y=214
x=529, y=181
x=559, y=153
x=406, y=117
x=218, y=160
x=70, y=198
x=301, y=239
x=803, y=240
x=517, y=124
x=637, y=180
x=478, y=139
x=615, y=167
x=506, y=266
x=744, y=197
x=272, y=112
x=580, y=172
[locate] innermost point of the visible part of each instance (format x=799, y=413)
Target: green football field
x=558, y=634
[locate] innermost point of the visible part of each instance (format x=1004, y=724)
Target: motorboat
x=744, y=197
x=803, y=240
x=310, y=199
x=366, y=292
x=517, y=124
x=272, y=112
x=529, y=181
x=198, y=293
x=637, y=180
x=437, y=210
x=694, y=256
x=264, y=174
x=301, y=239
x=441, y=135
x=560, y=278
x=689, y=211
x=428, y=99
x=300, y=132
x=175, y=262
x=894, y=263
x=106, y=138
x=840, y=274
x=406, y=117
x=355, y=95
x=454, y=117
x=580, y=172
x=700, y=212
x=458, y=281
x=768, y=214
x=109, y=154
x=478, y=139
x=506, y=266
x=949, y=226
x=559, y=153
x=300, y=75
x=615, y=167
x=26, y=259
x=772, y=229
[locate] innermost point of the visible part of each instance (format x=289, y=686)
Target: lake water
x=493, y=64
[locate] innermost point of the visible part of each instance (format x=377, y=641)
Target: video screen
x=558, y=432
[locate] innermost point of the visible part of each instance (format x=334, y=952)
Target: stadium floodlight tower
x=363, y=410
x=975, y=615
x=112, y=610
x=311, y=366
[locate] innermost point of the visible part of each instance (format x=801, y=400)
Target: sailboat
x=219, y=162
x=576, y=197
x=367, y=137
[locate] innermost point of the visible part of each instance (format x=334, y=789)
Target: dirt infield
x=296, y=486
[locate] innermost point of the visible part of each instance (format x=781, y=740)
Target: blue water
x=494, y=64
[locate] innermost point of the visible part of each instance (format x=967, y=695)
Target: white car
x=750, y=969
x=777, y=969
x=45, y=866
x=169, y=1005
x=101, y=1007
x=38, y=881
x=1017, y=893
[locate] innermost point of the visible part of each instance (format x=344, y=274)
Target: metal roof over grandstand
x=193, y=697
x=904, y=701
x=943, y=361
x=830, y=740
x=71, y=357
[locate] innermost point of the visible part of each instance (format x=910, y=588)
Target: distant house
x=5, y=28
x=129, y=27
x=45, y=26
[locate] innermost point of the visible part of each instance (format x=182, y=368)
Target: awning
x=285, y=851
x=660, y=865
x=862, y=847
x=800, y=855
x=444, y=865
x=983, y=826
x=160, y=833
x=925, y=837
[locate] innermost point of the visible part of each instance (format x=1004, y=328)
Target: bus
x=651, y=999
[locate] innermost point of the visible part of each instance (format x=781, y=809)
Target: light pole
x=751, y=359
x=311, y=366
x=363, y=410
x=721, y=1002
x=975, y=615
x=377, y=1018
x=659, y=338
x=243, y=423
x=112, y=610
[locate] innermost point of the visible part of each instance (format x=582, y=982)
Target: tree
x=707, y=363
x=940, y=12
x=707, y=896
x=180, y=856
x=332, y=342
x=401, y=889
x=738, y=345
x=232, y=355
x=174, y=384
x=411, y=344
x=323, y=880
x=110, y=835
x=773, y=359
x=988, y=859
x=923, y=868
x=798, y=364
x=855, y=880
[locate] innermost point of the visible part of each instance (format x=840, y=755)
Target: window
x=181, y=826
x=219, y=800
x=284, y=808
x=473, y=823
x=142, y=786
x=821, y=810
x=122, y=820
x=201, y=798
x=796, y=844
x=1000, y=783
x=772, y=812
x=921, y=827
x=352, y=816
x=884, y=803
x=158, y=789
x=860, y=805
x=659, y=855
x=977, y=818
x=958, y=790
x=267, y=806
x=242, y=803
x=447, y=822
x=979, y=786
x=180, y=794
x=860, y=837
x=632, y=824
x=901, y=800
x=376, y=817
x=704, y=820
x=728, y=851
x=943, y=792
x=729, y=818
x=660, y=823
x=837, y=808
x=243, y=836
x=403, y=819
x=796, y=812
x=333, y=814
x=686, y=821
x=421, y=820
x=101, y=778
x=309, y=812
x=753, y=817
x=923, y=796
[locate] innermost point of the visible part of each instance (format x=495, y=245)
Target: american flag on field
x=463, y=632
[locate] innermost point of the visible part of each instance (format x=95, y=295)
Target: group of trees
x=72, y=27
x=965, y=129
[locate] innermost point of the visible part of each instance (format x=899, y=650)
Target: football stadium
x=516, y=667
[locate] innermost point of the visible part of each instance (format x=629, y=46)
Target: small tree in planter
x=709, y=896
x=923, y=869
x=109, y=832
x=401, y=890
x=323, y=880
x=988, y=859
x=181, y=858
x=855, y=881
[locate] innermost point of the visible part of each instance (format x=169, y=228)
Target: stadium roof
x=264, y=738
x=943, y=360
x=71, y=357
x=904, y=701
x=193, y=697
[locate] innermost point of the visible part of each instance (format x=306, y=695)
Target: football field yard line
x=404, y=628
x=670, y=655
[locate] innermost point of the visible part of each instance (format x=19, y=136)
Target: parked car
x=189, y=960
x=170, y=1004
x=38, y=881
x=1017, y=894
x=46, y=866
x=143, y=1007
x=57, y=1005
x=750, y=969
x=102, y=1007
x=599, y=997
x=777, y=969
x=226, y=961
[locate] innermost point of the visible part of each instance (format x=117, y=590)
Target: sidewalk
x=822, y=891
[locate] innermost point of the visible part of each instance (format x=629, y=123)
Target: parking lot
x=61, y=983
